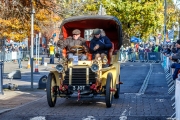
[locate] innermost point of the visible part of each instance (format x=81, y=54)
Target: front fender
x=104, y=77
x=56, y=74
x=115, y=73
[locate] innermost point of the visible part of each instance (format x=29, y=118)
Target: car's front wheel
x=109, y=93
x=51, y=90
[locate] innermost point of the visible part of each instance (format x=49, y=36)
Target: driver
x=75, y=40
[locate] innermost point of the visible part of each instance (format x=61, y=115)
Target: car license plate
x=78, y=87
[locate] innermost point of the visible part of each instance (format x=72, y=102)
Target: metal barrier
x=154, y=56
x=174, y=87
x=142, y=56
x=177, y=99
x=10, y=56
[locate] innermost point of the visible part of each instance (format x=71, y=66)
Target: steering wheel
x=77, y=49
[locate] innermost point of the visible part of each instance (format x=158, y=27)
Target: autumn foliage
x=138, y=17
x=15, y=18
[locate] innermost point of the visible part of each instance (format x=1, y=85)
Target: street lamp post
x=176, y=28
x=101, y=8
x=2, y=42
x=178, y=31
x=177, y=23
x=165, y=14
x=32, y=39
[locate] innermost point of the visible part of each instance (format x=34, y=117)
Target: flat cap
x=96, y=31
x=76, y=31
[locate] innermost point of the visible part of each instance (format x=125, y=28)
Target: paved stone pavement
x=24, y=93
x=131, y=106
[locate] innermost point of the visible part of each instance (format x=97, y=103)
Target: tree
x=15, y=17
x=144, y=17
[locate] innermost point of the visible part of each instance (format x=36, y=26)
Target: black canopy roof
x=110, y=24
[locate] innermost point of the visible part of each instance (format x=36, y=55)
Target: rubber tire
x=116, y=95
x=109, y=94
x=51, y=82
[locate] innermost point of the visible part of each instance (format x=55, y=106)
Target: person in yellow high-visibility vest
x=51, y=52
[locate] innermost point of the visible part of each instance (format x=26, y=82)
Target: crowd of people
x=13, y=48
x=138, y=51
x=173, y=53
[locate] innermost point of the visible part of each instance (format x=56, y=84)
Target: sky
x=177, y=3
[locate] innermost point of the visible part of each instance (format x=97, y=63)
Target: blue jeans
x=133, y=56
x=129, y=56
x=123, y=56
x=51, y=59
x=176, y=66
x=141, y=56
x=19, y=63
x=80, y=57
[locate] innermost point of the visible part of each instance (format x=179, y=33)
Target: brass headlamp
x=59, y=68
x=94, y=67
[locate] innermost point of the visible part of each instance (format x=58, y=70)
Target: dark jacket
x=104, y=45
x=177, y=55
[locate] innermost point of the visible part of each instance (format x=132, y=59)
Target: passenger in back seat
x=99, y=45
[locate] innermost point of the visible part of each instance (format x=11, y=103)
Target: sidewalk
x=24, y=93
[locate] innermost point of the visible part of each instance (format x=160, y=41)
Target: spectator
x=153, y=47
x=129, y=51
x=156, y=49
x=166, y=50
x=175, y=57
x=141, y=54
x=123, y=53
x=146, y=50
x=51, y=52
x=137, y=47
x=19, y=58
x=133, y=55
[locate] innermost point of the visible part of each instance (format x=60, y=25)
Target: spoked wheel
x=109, y=93
x=51, y=89
x=116, y=95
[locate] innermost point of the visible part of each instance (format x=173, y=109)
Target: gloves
x=85, y=49
x=101, y=47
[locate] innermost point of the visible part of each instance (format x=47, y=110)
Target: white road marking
x=160, y=100
x=123, y=117
x=146, y=80
x=89, y=118
x=38, y=118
